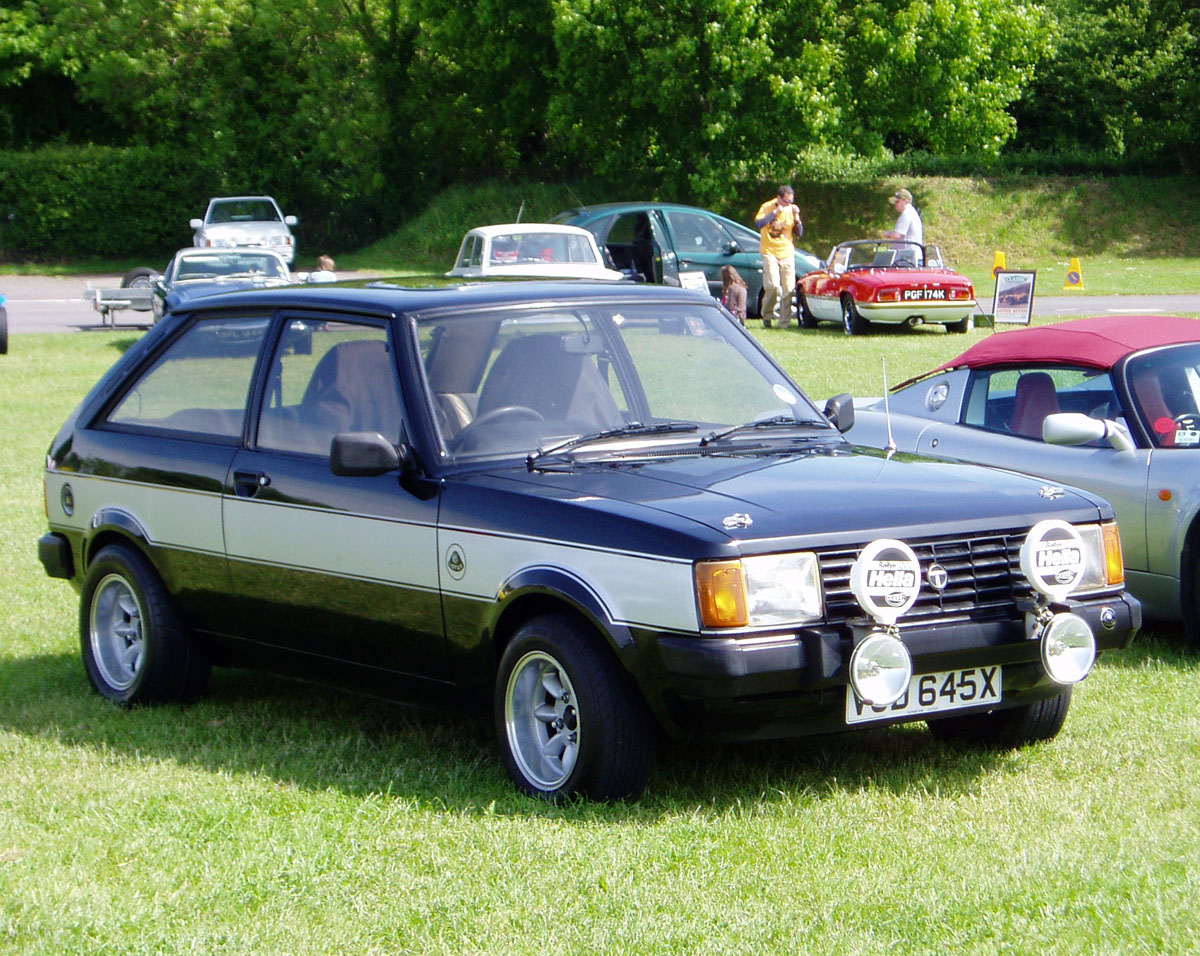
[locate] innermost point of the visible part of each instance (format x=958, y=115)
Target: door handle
x=246, y=484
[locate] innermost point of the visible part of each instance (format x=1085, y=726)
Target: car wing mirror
x=1075, y=428
x=195, y=223
x=366, y=454
x=291, y=221
x=840, y=411
x=732, y=248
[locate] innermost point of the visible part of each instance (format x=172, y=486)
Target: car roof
x=505, y=229
x=1093, y=343
x=408, y=294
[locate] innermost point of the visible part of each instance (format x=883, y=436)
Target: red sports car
x=888, y=281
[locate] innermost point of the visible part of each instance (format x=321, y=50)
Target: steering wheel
x=516, y=413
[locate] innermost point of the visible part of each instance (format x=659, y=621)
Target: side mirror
x=291, y=221
x=1075, y=428
x=732, y=249
x=840, y=412
x=195, y=223
x=366, y=454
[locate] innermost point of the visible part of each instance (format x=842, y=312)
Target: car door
x=703, y=244
x=337, y=568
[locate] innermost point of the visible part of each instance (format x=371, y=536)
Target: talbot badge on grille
x=737, y=520
x=938, y=577
x=1051, y=491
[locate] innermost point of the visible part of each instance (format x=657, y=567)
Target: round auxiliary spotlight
x=880, y=669
x=1068, y=648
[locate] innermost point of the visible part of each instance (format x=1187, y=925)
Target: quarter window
x=200, y=384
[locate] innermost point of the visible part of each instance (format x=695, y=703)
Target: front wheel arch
x=570, y=720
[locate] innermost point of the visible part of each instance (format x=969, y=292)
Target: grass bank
x=1131, y=234
x=274, y=818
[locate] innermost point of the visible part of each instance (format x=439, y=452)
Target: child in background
x=733, y=292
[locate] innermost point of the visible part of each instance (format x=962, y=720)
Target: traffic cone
x=1074, y=279
x=998, y=263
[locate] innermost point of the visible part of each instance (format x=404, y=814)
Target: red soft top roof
x=1094, y=343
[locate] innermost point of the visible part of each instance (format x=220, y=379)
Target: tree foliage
x=354, y=111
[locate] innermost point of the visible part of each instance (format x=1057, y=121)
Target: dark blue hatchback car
x=601, y=509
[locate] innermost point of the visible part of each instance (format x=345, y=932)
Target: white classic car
x=531, y=249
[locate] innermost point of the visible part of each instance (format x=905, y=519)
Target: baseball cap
x=900, y=194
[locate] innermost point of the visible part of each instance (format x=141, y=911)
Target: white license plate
x=933, y=694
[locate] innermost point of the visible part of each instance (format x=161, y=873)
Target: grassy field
x=274, y=818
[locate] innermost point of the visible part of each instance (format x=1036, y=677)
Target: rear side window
x=199, y=384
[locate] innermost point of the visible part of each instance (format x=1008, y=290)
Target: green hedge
x=64, y=203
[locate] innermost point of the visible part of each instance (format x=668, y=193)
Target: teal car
x=658, y=241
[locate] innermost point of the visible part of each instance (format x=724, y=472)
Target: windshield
x=877, y=254
x=540, y=247
x=508, y=383
x=243, y=210
x=211, y=265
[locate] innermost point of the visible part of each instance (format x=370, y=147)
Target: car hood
x=788, y=499
x=242, y=231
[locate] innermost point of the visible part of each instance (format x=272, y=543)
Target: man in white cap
x=909, y=225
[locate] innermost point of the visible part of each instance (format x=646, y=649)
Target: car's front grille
x=984, y=579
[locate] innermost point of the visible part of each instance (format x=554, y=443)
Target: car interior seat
x=536, y=371
x=1036, y=397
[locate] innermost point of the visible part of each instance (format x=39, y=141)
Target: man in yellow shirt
x=777, y=221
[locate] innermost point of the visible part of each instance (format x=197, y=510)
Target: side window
x=327, y=378
x=1017, y=401
x=200, y=384
x=696, y=233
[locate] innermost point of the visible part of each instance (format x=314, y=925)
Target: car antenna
x=521, y=211
x=890, y=447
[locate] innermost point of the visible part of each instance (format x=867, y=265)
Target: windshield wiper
x=775, y=421
x=633, y=429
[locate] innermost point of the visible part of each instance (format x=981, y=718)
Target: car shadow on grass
x=316, y=739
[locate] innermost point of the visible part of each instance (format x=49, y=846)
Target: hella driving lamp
x=885, y=578
x=1053, y=560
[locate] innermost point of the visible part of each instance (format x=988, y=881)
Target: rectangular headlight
x=760, y=591
x=1105, y=562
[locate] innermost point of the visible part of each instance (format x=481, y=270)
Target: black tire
x=569, y=720
x=139, y=278
x=961, y=326
x=852, y=320
x=3, y=330
x=135, y=648
x=807, y=319
x=1006, y=729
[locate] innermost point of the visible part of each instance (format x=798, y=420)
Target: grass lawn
x=275, y=818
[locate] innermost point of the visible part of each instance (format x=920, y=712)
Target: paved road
x=56, y=304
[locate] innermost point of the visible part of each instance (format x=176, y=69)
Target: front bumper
x=794, y=683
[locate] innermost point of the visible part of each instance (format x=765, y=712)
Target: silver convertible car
x=1109, y=404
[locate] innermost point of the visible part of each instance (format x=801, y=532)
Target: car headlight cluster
x=760, y=591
